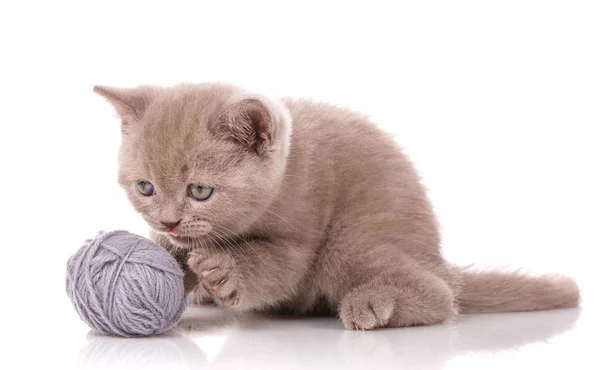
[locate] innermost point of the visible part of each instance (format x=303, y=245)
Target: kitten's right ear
x=130, y=103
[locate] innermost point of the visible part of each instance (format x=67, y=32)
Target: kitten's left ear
x=250, y=122
x=130, y=103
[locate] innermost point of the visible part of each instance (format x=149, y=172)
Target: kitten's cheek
x=202, y=228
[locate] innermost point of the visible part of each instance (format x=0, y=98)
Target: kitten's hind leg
x=406, y=298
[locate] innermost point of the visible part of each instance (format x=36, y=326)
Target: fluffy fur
x=315, y=210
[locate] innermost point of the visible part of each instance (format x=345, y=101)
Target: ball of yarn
x=123, y=284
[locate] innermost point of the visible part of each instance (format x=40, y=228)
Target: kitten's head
x=199, y=160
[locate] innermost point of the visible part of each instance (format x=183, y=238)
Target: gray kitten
x=299, y=207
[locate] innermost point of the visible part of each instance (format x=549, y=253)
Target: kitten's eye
x=200, y=192
x=145, y=188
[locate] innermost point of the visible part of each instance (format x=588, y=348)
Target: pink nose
x=170, y=225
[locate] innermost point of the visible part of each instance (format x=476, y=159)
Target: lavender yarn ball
x=126, y=285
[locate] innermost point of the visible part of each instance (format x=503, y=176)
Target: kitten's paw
x=218, y=277
x=364, y=310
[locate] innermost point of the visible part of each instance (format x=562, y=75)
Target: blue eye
x=200, y=192
x=145, y=188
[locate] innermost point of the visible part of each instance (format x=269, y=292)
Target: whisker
x=227, y=253
x=235, y=246
x=204, y=247
x=289, y=223
x=248, y=244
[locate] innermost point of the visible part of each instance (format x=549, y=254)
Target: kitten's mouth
x=172, y=233
x=185, y=235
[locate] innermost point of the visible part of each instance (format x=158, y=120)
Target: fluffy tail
x=490, y=291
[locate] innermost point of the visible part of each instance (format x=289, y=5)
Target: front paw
x=366, y=310
x=218, y=277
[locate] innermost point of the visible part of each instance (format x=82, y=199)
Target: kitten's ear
x=249, y=122
x=130, y=103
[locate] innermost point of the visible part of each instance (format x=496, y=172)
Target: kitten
x=298, y=207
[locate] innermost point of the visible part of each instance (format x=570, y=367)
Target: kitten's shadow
x=430, y=347
x=250, y=339
x=209, y=336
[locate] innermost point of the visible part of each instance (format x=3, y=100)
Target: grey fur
x=315, y=210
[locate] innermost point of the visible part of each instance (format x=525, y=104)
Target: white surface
x=212, y=338
x=496, y=102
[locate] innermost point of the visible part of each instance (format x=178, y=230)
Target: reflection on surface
x=209, y=337
x=168, y=351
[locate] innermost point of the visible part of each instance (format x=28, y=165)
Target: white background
x=497, y=103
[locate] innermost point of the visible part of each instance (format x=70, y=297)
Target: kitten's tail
x=496, y=291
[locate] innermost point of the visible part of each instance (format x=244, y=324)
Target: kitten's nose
x=170, y=225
